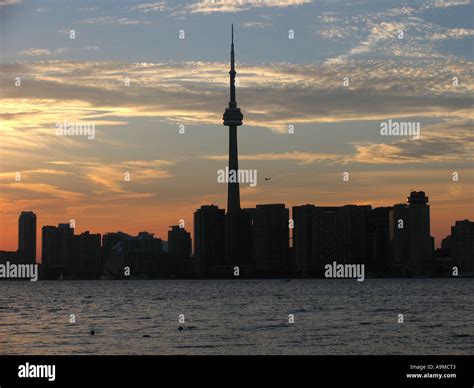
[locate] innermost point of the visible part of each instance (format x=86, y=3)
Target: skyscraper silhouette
x=27, y=237
x=209, y=237
x=410, y=234
x=233, y=118
x=462, y=245
x=179, y=241
x=57, y=250
x=271, y=238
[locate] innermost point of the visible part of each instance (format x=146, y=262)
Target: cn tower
x=233, y=118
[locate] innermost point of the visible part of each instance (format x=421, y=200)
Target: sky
x=333, y=71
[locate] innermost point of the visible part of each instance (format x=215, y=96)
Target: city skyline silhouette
x=388, y=241
x=184, y=83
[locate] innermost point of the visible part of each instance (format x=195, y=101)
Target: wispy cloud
x=231, y=6
x=113, y=20
x=453, y=33
x=87, y=9
x=393, y=33
x=34, y=52
x=45, y=52
x=442, y=143
x=110, y=177
x=446, y=3
x=275, y=95
x=42, y=189
x=294, y=156
x=5, y=3
x=255, y=24
x=151, y=7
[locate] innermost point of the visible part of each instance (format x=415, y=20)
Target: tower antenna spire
x=232, y=102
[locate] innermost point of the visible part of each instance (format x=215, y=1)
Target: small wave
x=303, y=310
x=430, y=326
x=383, y=310
x=196, y=346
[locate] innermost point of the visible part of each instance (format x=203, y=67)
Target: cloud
x=150, y=7
x=393, y=33
x=337, y=32
x=35, y=52
x=121, y=177
x=95, y=177
x=38, y=52
x=295, y=156
x=272, y=96
x=445, y=142
x=448, y=141
x=453, y=33
x=27, y=174
x=255, y=24
x=232, y=6
x=6, y=3
x=86, y=9
x=43, y=189
x=114, y=20
x=447, y=3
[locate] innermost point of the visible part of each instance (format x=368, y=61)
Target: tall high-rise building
x=420, y=242
x=58, y=250
x=87, y=256
x=329, y=240
x=323, y=234
x=378, y=244
x=108, y=241
x=209, y=237
x=354, y=233
x=271, y=238
x=399, y=238
x=65, y=247
x=179, y=241
x=303, y=244
x=27, y=237
x=410, y=234
x=462, y=245
x=49, y=247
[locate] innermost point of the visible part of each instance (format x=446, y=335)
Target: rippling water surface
x=238, y=317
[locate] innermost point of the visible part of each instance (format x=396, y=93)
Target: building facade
x=27, y=237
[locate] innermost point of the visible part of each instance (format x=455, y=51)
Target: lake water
x=238, y=317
